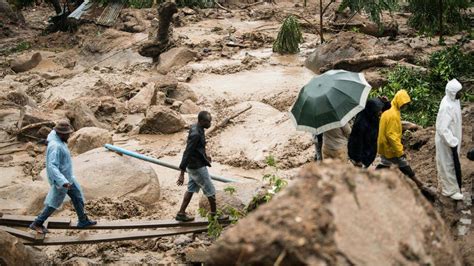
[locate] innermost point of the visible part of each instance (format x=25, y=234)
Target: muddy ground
x=98, y=62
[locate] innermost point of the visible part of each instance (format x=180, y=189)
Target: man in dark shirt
x=195, y=161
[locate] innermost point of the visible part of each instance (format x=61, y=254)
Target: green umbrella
x=329, y=101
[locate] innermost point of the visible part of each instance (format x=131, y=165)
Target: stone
x=160, y=119
x=102, y=173
x=89, y=138
x=189, y=107
x=182, y=240
x=224, y=201
x=25, y=65
x=130, y=122
x=182, y=93
x=175, y=58
x=336, y=214
x=81, y=116
x=143, y=100
x=13, y=252
x=21, y=98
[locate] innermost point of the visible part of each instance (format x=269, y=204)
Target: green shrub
x=450, y=63
x=195, y=3
x=140, y=3
x=427, y=89
x=289, y=37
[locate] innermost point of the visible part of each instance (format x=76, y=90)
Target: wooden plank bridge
x=12, y=223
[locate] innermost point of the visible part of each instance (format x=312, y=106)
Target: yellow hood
x=400, y=98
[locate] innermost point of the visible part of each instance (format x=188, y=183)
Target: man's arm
x=393, y=139
x=191, y=144
x=443, y=129
x=53, y=159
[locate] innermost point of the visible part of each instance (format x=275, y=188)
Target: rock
x=13, y=252
x=182, y=93
x=21, y=98
x=88, y=138
x=335, y=214
x=102, y=173
x=345, y=45
x=5, y=158
x=80, y=261
x=224, y=200
x=188, y=11
x=131, y=21
x=143, y=100
x=25, y=65
x=182, y=240
x=189, y=107
x=375, y=79
x=130, y=122
x=175, y=58
x=160, y=119
x=81, y=116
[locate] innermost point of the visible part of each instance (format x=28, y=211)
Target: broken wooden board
x=96, y=238
x=65, y=223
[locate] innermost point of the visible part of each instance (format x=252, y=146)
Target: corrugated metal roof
x=110, y=13
x=79, y=11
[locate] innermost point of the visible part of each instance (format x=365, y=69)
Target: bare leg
x=186, y=199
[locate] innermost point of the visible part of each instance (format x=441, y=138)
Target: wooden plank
x=18, y=233
x=65, y=223
x=96, y=238
x=22, y=220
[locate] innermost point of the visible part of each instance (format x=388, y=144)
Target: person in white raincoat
x=448, y=139
x=61, y=179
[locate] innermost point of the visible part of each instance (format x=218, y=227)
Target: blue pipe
x=156, y=161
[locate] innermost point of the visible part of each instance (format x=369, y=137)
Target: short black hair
x=204, y=116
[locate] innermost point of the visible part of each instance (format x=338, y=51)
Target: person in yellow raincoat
x=389, y=141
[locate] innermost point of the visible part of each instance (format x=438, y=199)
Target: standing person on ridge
x=448, y=141
x=61, y=179
x=195, y=161
x=389, y=141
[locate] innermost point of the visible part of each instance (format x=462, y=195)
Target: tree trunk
x=321, y=21
x=441, y=40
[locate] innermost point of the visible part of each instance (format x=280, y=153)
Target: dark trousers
x=75, y=194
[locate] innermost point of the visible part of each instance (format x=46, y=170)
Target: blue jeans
x=75, y=194
x=199, y=178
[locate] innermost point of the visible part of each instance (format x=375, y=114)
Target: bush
x=289, y=37
x=425, y=100
x=427, y=89
x=138, y=4
x=195, y=3
x=450, y=63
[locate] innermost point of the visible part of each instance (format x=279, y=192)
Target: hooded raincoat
x=448, y=135
x=362, y=146
x=389, y=141
x=58, y=170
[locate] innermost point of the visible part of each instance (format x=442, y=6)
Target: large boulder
x=224, y=201
x=160, y=119
x=88, y=138
x=345, y=45
x=13, y=252
x=143, y=99
x=81, y=116
x=183, y=92
x=189, y=107
x=335, y=214
x=102, y=173
x=175, y=58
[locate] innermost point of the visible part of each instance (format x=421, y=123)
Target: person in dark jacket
x=362, y=145
x=195, y=161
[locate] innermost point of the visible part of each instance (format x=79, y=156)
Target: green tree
x=373, y=8
x=438, y=16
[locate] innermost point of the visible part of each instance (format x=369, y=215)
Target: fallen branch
x=12, y=151
x=221, y=7
x=361, y=63
x=22, y=116
x=253, y=4
x=392, y=63
x=227, y=120
x=35, y=125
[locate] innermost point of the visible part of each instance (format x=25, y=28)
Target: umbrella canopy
x=329, y=101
